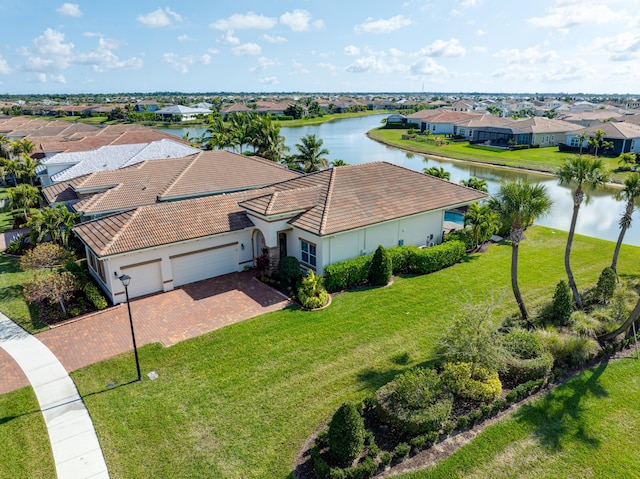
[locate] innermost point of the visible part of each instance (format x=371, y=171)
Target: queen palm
x=476, y=183
x=55, y=221
x=518, y=203
x=484, y=222
x=23, y=197
x=311, y=154
x=438, y=172
x=596, y=140
x=27, y=167
x=583, y=173
x=630, y=193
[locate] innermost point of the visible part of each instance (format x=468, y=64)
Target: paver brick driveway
x=168, y=318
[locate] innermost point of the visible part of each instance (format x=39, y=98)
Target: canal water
x=346, y=140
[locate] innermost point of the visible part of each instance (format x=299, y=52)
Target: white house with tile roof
x=319, y=218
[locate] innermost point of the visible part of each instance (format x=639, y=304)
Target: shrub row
x=478, y=384
x=404, y=259
x=93, y=294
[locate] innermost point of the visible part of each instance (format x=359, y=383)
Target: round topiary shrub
x=381, y=268
x=562, y=305
x=526, y=358
x=478, y=384
x=289, y=270
x=346, y=435
x=415, y=401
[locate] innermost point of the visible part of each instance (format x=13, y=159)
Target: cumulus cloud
x=70, y=10
x=49, y=53
x=300, y=21
x=427, y=66
x=247, y=49
x=442, y=48
x=383, y=26
x=567, y=14
x=273, y=39
x=229, y=39
x=269, y=81
x=44, y=78
x=4, y=66
x=185, y=38
x=182, y=63
x=470, y=3
x=264, y=63
x=103, y=59
x=351, y=50
x=298, y=68
x=529, y=56
x=622, y=47
x=159, y=18
x=377, y=62
x=247, y=21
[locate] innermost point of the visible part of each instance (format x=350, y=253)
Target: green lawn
x=540, y=159
x=588, y=428
x=12, y=303
x=239, y=402
x=25, y=450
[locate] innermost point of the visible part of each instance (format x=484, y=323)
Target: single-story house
x=624, y=136
x=184, y=112
x=540, y=131
x=443, y=123
x=319, y=218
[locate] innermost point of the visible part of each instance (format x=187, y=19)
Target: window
x=575, y=141
x=308, y=253
x=97, y=266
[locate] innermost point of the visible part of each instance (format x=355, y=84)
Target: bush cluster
x=311, y=293
x=345, y=436
x=567, y=348
x=464, y=235
x=526, y=358
x=478, y=384
x=94, y=295
x=404, y=259
x=415, y=401
x=288, y=270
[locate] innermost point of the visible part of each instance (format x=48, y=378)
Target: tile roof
x=334, y=200
x=616, y=129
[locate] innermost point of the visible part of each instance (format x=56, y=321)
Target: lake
x=346, y=140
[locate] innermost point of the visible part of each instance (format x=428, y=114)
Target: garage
x=208, y=263
x=146, y=278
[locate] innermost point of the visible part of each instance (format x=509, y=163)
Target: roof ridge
x=272, y=202
x=323, y=220
x=134, y=214
x=181, y=173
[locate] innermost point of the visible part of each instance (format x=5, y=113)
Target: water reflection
x=346, y=140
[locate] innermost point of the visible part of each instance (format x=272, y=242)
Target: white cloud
x=247, y=49
x=229, y=39
x=470, y=3
x=264, y=63
x=376, y=63
x=568, y=14
x=298, y=68
x=4, y=66
x=103, y=59
x=182, y=63
x=300, y=21
x=185, y=38
x=442, y=48
x=480, y=32
x=70, y=10
x=568, y=70
x=328, y=66
x=383, y=26
x=269, y=81
x=273, y=39
x=248, y=21
x=49, y=53
x=351, y=50
x=44, y=78
x=622, y=47
x=159, y=18
x=427, y=66
x=531, y=56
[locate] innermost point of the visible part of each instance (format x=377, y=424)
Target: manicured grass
x=331, y=117
x=540, y=159
x=239, y=402
x=588, y=427
x=12, y=303
x=25, y=450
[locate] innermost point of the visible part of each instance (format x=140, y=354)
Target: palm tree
x=596, y=140
x=27, y=167
x=582, y=137
x=438, y=172
x=484, y=222
x=476, y=184
x=267, y=140
x=240, y=128
x=310, y=155
x=630, y=193
x=55, y=222
x=584, y=173
x=338, y=162
x=518, y=203
x=24, y=197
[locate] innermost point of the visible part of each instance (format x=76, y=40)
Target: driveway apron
x=76, y=450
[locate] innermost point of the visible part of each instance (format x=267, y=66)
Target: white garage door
x=146, y=278
x=192, y=267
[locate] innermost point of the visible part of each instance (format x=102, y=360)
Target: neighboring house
x=146, y=106
x=624, y=136
x=66, y=166
x=589, y=118
x=320, y=218
x=168, y=179
x=464, y=128
x=442, y=122
x=531, y=131
x=185, y=112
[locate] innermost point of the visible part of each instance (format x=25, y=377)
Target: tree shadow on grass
x=372, y=379
x=559, y=417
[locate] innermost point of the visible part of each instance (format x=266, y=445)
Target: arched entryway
x=259, y=245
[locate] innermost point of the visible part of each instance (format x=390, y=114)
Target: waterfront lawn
x=25, y=450
x=587, y=427
x=239, y=402
x=540, y=159
x=12, y=303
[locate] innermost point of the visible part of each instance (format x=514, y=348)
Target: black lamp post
x=126, y=279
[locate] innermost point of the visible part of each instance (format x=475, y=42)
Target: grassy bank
x=12, y=303
x=239, y=402
x=546, y=160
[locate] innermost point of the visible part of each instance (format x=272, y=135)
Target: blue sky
x=91, y=46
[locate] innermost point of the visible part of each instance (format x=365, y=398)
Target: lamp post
x=126, y=279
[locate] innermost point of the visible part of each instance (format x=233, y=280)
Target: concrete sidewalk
x=75, y=446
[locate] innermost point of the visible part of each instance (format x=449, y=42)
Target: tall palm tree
x=27, y=167
x=484, y=222
x=583, y=173
x=54, y=221
x=582, y=137
x=476, y=183
x=311, y=154
x=240, y=128
x=596, y=140
x=630, y=193
x=267, y=140
x=518, y=203
x=23, y=197
x=438, y=172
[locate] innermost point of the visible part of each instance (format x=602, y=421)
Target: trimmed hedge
x=484, y=385
x=345, y=436
x=404, y=259
x=380, y=268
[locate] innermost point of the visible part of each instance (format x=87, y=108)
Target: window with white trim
x=308, y=253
